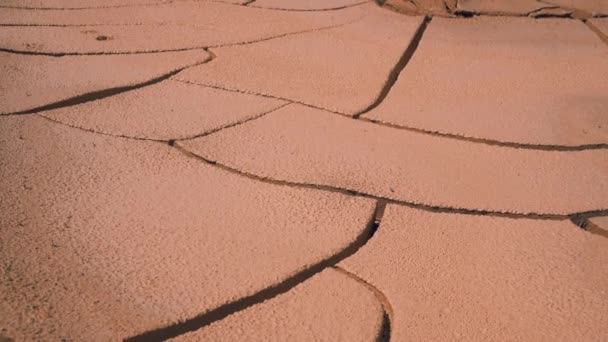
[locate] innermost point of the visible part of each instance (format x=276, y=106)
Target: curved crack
x=421, y=206
x=401, y=64
x=104, y=93
x=491, y=142
x=584, y=223
x=310, y=10
x=223, y=311
x=203, y=47
x=603, y=37
x=385, y=332
x=85, y=8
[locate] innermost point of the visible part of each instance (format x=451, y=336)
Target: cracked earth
x=289, y=170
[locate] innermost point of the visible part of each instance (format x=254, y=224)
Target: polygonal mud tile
x=482, y=278
x=309, y=5
x=328, y=307
x=76, y=4
x=342, y=69
x=593, y=7
x=500, y=7
x=163, y=111
x=513, y=80
x=34, y=82
x=304, y=145
x=105, y=238
x=176, y=26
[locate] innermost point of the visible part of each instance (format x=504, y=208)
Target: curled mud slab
x=34, y=83
x=343, y=69
x=165, y=111
x=328, y=307
x=108, y=238
x=450, y=276
x=306, y=145
x=505, y=80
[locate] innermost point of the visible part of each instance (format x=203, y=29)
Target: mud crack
x=202, y=320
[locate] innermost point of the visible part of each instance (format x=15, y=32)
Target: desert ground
x=303, y=170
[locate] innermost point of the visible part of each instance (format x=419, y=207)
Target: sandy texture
x=309, y=5
x=30, y=82
x=167, y=110
x=506, y=7
x=103, y=238
x=328, y=307
x=76, y=4
x=179, y=25
x=594, y=7
x=301, y=144
x=519, y=80
x=342, y=69
x=474, y=278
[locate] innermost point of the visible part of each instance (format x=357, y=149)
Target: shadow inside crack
x=202, y=320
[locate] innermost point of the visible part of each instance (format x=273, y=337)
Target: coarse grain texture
x=300, y=144
x=480, y=278
x=327, y=307
x=514, y=80
x=105, y=238
x=29, y=82
x=342, y=69
x=175, y=26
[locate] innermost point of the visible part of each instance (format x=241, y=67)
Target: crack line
x=204, y=319
x=421, y=206
x=104, y=93
x=491, y=142
x=394, y=73
x=203, y=47
x=574, y=217
x=311, y=10
x=603, y=37
x=385, y=333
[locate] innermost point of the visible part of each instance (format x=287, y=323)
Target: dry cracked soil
x=291, y=170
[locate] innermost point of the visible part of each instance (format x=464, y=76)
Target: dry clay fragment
x=105, y=238
x=327, y=307
x=304, y=145
x=177, y=26
x=35, y=82
x=163, y=111
x=483, y=278
x=342, y=69
x=512, y=80
x=76, y=4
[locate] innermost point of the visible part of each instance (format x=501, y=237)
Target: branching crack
x=421, y=206
x=204, y=319
x=104, y=93
x=203, y=47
